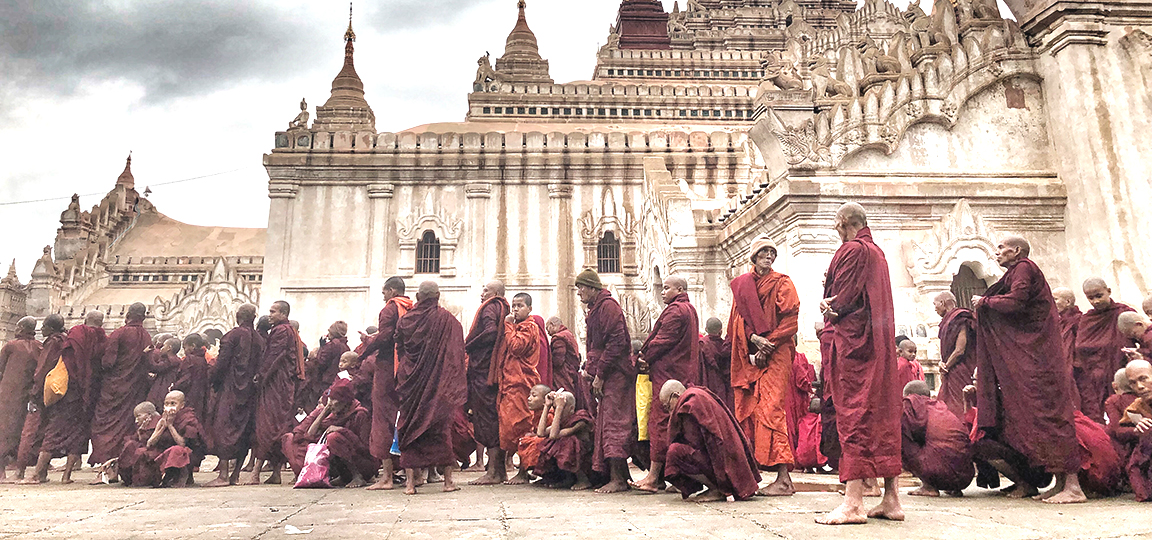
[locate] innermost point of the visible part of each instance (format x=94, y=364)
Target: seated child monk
x=529, y=446
x=935, y=448
x=1139, y=416
x=1138, y=328
x=352, y=369
x=707, y=448
x=161, y=453
x=345, y=426
x=566, y=454
x=1123, y=437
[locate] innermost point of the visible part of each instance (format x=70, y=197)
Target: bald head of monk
x=944, y=303
x=429, y=290
x=919, y=388
x=553, y=325
x=53, y=324
x=1132, y=325
x=1139, y=374
x=26, y=326
x=94, y=318
x=670, y=394
x=1120, y=382
x=538, y=397
x=144, y=413
x=1146, y=306
x=136, y=313
x=173, y=403
x=1012, y=249
x=492, y=289
x=713, y=326
x=673, y=286
x=264, y=324
x=279, y=312
x=565, y=404
x=907, y=350
x=1098, y=293
x=171, y=345
x=349, y=360
x=850, y=218
x=1065, y=298
x=245, y=314
x=393, y=287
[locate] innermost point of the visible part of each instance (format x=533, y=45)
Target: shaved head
x=137, y=312
x=1094, y=283
x=1120, y=381
x=673, y=386
x=283, y=307
x=1147, y=306
x=713, y=326
x=677, y=281
x=919, y=388
x=555, y=320
x=94, y=318
x=245, y=314
x=944, y=303
x=1132, y=325
x=1019, y=243
x=175, y=395
x=395, y=283
x=541, y=388
x=173, y=344
x=27, y=325
x=495, y=287
x=1064, y=293
x=946, y=296
x=146, y=407
x=852, y=214
x=53, y=324
x=428, y=290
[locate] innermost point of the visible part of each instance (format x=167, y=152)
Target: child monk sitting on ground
x=529, y=447
x=936, y=446
x=161, y=453
x=566, y=454
x=1124, y=437
x=346, y=427
x=1138, y=328
x=1139, y=415
x=353, y=369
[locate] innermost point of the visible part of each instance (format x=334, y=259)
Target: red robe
x=956, y=322
x=124, y=385
x=193, y=381
x=320, y=373
x=278, y=374
x=17, y=370
x=544, y=366
x=1097, y=357
x=862, y=372
x=1069, y=321
x=767, y=306
x=707, y=441
x=231, y=415
x=565, y=354
x=517, y=374
x=673, y=353
x=936, y=446
x=1139, y=465
x=908, y=371
x=1144, y=344
x=829, y=435
x=571, y=453
x=1024, y=378
x=1124, y=438
x=68, y=429
x=1100, y=468
x=143, y=466
x=528, y=447
x=431, y=383
x=166, y=370
x=610, y=359
x=716, y=368
x=799, y=396
x=484, y=337
x=381, y=349
x=348, y=447
x=36, y=423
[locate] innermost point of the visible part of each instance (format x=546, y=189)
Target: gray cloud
x=409, y=14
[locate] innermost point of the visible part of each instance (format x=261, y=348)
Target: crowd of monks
x=1032, y=390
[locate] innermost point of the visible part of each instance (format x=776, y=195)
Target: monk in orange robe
x=514, y=373
x=764, y=319
x=528, y=447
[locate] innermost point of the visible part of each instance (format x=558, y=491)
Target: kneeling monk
x=565, y=450
x=161, y=454
x=345, y=426
x=707, y=447
x=936, y=447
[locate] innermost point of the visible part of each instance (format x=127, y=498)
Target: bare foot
x=32, y=481
x=646, y=485
x=449, y=487
x=489, y=479
x=614, y=487
x=778, y=488
x=476, y=467
x=710, y=495
x=356, y=482
x=582, y=485
x=890, y=512
x=844, y=515
x=9, y=480
x=219, y=482
x=410, y=490
x=925, y=491
x=66, y=481
x=273, y=480
x=520, y=479
x=251, y=480
x=1020, y=492
x=1068, y=496
x=382, y=485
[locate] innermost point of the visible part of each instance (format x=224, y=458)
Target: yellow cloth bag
x=56, y=383
x=643, y=404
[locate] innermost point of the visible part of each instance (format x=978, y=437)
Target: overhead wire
x=168, y=183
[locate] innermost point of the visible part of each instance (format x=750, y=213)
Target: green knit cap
x=589, y=278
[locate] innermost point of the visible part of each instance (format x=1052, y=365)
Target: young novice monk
x=1138, y=328
x=346, y=428
x=529, y=447
x=936, y=448
x=1123, y=437
x=907, y=367
x=565, y=453
x=354, y=370
x=1139, y=416
x=707, y=447
x=161, y=454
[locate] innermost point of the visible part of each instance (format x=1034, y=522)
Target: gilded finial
x=349, y=35
x=522, y=4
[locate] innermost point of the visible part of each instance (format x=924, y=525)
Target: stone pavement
x=269, y=512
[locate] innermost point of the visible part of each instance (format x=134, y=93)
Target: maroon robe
x=1069, y=321
x=610, y=359
x=18, y=360
x=484, y=338
x=1139, y=465
x=431, y=383
x=956, y=322
x=67, y=430
x=166, y=368
x=1124, y=438
x=1024, y=378
x=707, y=441
x=231, y=414
x=862, y=371
x=799, y=396
x=276, y=389
x=829, y=436
x=1097, y=357
x=1144, y=344
x=673, y=353
x=565, y=354
x=348, y=447
x=908, y=371
x=570, y=454
x=143, y=466
x=124, y=385
x=544, y=366
x=385, y=402
x=1100, y=468
x=320, y=373
x=193, y=381
x=716, y=368
x=36, y=423
x=936, y=446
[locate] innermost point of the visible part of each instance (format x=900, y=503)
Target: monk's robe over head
x=564, y=351
x=958, y=325
x=706, y=440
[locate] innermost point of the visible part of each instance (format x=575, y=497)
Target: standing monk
x=957, y=347
x=1069, y=314
x=862, y=369
x=320, y=370
x=485, y=337
x=613, y=381
x=514, y=373
x=716, y=362
x=275, y=389
x=672, y=352
x=764, y=320
x=1023, y=377
x=544, y=367
x=431, y=384
x=124, y=384
x=1098, y=351
x=799, y=397
x=565, y=353
x=229, y=420
x=17, y=369
x=53, y=332
x=385, y=402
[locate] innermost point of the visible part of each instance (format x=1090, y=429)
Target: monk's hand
x=331, y=429
x=598, y=386
x=1132, y=353
x=1144, y=426
x=977, y=300
x=641, y=364
x=826, y=307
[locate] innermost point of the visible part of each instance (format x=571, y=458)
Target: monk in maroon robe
x=862, y=371
x=936, y=446
x=1069, y=315
x=565, y=353
x=1124, y=438
x=230, y=415
x=716, y=362
x=124, y=384
x=799, y=396
x=322, y=366
x=708, y=448
x=485, y=337
x=829, y=437
x=32, y=436
x=908, y=368
x=1137, y=328
x=565, y=444
x=432, y=385
x=164, y=364
x=1138, y=416
x=161, y=452
x=957, y=347
x=194, y=380
x=275, y=391
x=1024, y=377
x=381, y=349
x=544, y=367
x=1100, y=468
x=1099, y=345
x=344, y=425
x=613, y=381
x=17, y=372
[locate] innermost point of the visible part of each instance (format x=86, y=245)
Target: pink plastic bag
x=314, y=474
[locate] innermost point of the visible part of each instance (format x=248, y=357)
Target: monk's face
x=670, y=292
x=173, y=404
x=389, y=293
x=536, y=400
x=1140, y=379
x=670, y=401
x=1006, y=254
x=520, y=310
x=275, y=316
x=1063, y=303
x=349, y=362
x=763, y=260
x=338, y=407
x=907, y=350
x=551, y=328
x=941, y=306
x=587, y=294
x=143, y=417
x=1099, y=297
x=487, y=292
x=842, y=228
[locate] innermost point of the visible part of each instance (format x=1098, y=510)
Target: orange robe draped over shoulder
x=518, y=356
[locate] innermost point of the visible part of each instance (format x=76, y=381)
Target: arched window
x=965, y=284
x=428, y=254
x=608, y=254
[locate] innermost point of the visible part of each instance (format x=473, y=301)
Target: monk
x=1146, y=306
x=565, y=443
x=1024, y=378
x=716, y=362
x=763, y=322
x=321, y=368
x=164, y=364
x=230, y=415
x=564, y=351
x=829, y=438
x=799, y=396
x=862, y=373
x=544, y=366
x=613, y=375
x=528, y=447
x=1137, y=328
x=908, y=368
x=17, y=373
x=275, y=381
x=1069, y=314
x=160, y=454
x=1100, y=468
x=124, y=384
x=514, y=373
x=1099, y=345
x=936, y=448
x=344, y=425
x=1138, y=416
x=485, y=337
x=957, y=347
x=194, y=381
x=707, y=448
x=1123, y=437
x=385, y=401
x=53, y=332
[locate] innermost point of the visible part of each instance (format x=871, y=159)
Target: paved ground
x=267, y=512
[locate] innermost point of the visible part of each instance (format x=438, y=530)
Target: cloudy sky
x=198, y=88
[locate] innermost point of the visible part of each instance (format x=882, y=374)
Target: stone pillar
x=560, y=198
x=283, y=193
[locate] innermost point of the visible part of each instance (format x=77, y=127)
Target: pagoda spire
x=643, y=24
x=521, y=62
x=126, y=179
x=346, y=108
x=12, y=278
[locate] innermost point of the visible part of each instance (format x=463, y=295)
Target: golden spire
x=349, y=35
